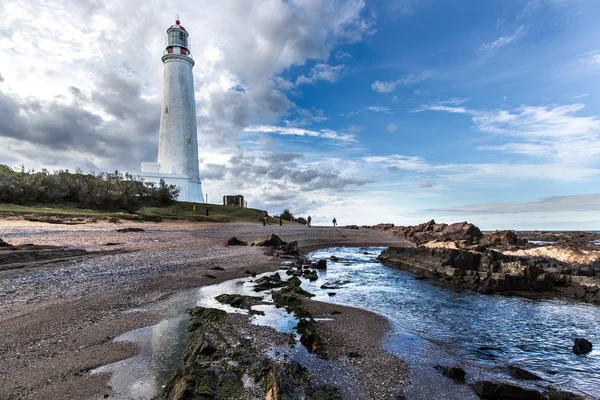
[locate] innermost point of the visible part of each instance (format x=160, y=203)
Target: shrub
x=96, y=191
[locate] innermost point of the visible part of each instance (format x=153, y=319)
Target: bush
x=301, y=220
x=107, y=191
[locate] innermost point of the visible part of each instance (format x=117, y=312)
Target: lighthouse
x=178, y=138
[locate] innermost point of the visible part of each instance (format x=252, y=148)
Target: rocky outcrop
x=503, y=238
x=522, y=374
x=429, y=231
x=489, y=271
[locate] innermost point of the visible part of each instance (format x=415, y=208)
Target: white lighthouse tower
x=178, y=140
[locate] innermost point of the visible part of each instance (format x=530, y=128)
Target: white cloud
x=322, y=72
x=289, y=130
x=406, y=80
x=391, y=128
x=342, y=55
x=504, y=40
x=426, y=185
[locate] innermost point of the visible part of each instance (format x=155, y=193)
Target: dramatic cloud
x=582, y=203
x=391, y=128
x=504, y=40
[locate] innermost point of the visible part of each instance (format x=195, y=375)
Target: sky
x=367, y=111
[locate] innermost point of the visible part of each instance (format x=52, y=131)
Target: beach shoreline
x=58, y=320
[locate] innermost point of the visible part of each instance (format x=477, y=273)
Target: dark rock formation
x=236, y=242
x=503, y=238
x=321, y=264
x=582, y=346
x=4, y=244
x=429, y=231
x=334, y=258
x=269, y=282
x=455, y=373
x=555, y=394
x=489, y=271
x=504, y=391
x=520, y=373
x=125, y=230
x=268, y=241
x=239, y=301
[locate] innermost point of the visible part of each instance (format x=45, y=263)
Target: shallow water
x=431, y=325
x=485, y=333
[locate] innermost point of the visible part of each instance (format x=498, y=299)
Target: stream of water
x=484, y=333
x=431, y=325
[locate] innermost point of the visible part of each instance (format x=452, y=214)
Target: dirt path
x=57, y=320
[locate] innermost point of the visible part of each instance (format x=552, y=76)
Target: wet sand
x=57, y=320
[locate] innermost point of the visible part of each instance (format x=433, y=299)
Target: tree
x=286, y=214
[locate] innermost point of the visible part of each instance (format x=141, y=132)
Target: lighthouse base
x=191, y=190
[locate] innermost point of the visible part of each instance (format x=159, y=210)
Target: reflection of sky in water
x=485, y=331
x=162, y=345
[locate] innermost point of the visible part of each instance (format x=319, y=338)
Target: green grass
x=177, y=211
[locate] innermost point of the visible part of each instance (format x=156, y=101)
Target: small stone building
x=236, y=200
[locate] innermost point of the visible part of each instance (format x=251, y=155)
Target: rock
x=269, y=282
x=290, y=249
x=321, y=264
x=582, y=346
x=108, y=244
x=504, y=238
x=125, y=230
x=455, y=373
x=505, y=391
x=239, y=301
x=555, y=394
x=268, y=241
x=236, y=242
x=431, y=231
x=520, y=373
x=354, y=227
x=330, y=294
x=366, y=252
x=334, y=258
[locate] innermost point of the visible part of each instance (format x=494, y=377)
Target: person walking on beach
x=308, y=221
x=334, y=222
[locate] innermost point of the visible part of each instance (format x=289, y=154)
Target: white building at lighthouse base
x=190, y=190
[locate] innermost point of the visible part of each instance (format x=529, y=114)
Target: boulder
x=504, y=238
x=582, y=346
x=236, y=242
x=321, y=264
x=520, y=373
x=334, y=258
x=506, y=391
x=268, y=241
x=455, y=373
x=289, y=249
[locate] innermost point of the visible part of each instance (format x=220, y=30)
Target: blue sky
x=369, y=111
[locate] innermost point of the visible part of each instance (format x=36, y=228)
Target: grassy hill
x=178, y=211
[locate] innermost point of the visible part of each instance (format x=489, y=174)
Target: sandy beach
x=58, y=319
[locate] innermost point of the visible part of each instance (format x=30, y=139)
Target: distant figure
x=264, y=221
x=308, y=221
x=334, y=222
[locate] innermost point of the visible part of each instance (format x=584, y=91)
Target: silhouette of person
x=334, y=222
x=308, y=220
